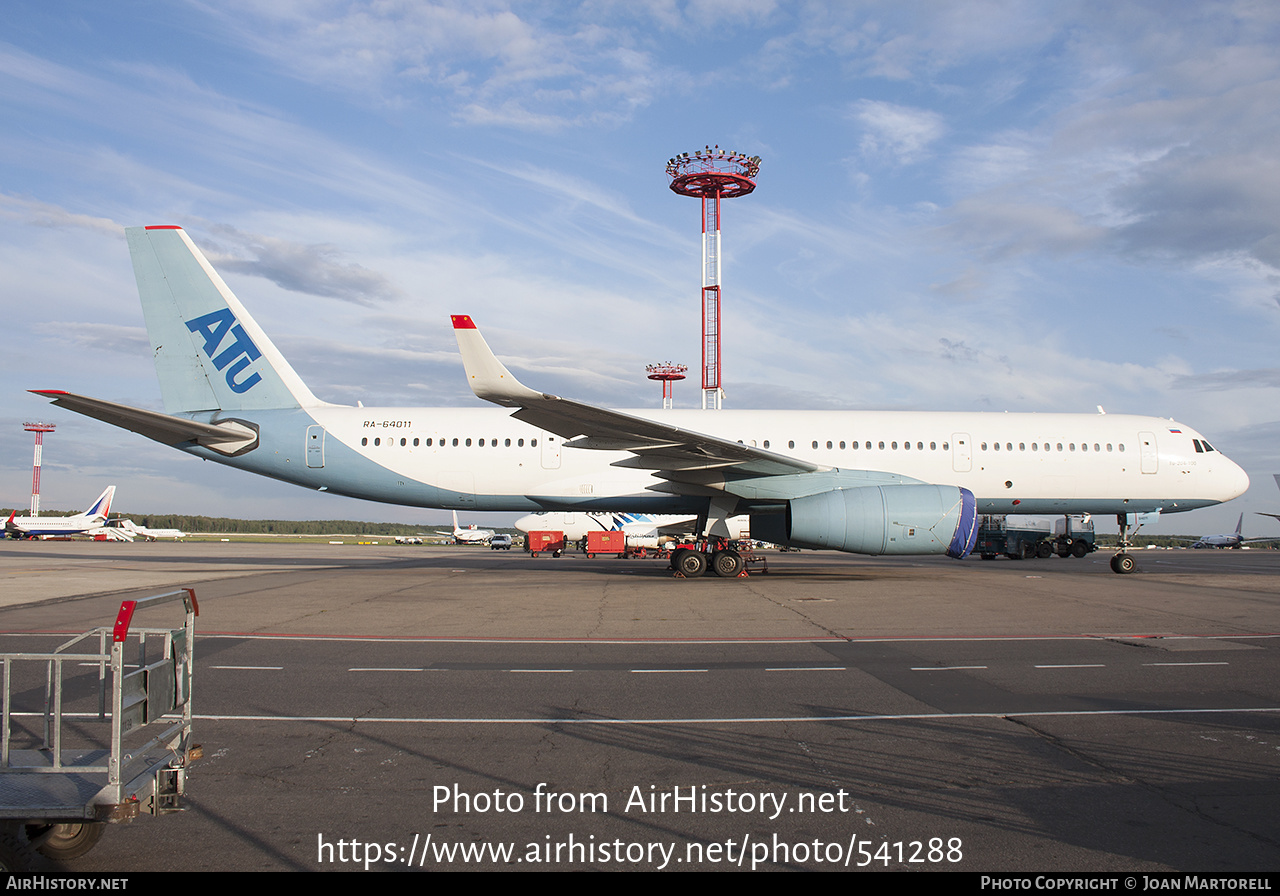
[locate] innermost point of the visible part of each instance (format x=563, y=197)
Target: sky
x=971, y=205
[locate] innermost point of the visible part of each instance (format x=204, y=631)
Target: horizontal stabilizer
x=227, y=438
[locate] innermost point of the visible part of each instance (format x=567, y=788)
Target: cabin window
x=984, y=446
x=519, y=443
x=533, y=443
x=842, y=446
x=791, y=443
x=1121, y=447
x=455, y=443
x=906, y=446
x=506, y=443
x=415, y=443
x=933, y=446
x=766, y=443
x=815, y=444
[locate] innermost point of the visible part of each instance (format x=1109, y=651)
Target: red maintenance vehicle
x=541, y=542
x=611, y=542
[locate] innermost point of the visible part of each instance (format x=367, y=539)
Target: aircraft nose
x=1235, y=481
x=527, y=523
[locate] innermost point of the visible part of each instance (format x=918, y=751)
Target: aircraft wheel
x=1123, y=564
x=1079, y=549
x=691, y=564
x=727, y=564
x=65, y=841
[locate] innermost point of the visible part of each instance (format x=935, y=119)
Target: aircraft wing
x=672, y=452
x=224, y=437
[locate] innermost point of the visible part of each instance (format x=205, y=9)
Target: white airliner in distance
x=642, y=530
x=870, y=482
x=61, y=526
x=1233, y=540
x=146, y=533
x=470, y=535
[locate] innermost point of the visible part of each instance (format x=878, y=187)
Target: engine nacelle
x=892, y=519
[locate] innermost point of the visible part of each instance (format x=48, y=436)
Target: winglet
x=489, y=377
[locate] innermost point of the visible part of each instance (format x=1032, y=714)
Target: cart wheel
x=65, y=841
x=15, y=850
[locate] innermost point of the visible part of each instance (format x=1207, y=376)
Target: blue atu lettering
x=214, y=327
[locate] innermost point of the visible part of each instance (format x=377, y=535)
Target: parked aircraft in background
x=872, y=482
x=56, y=526
x=133, y=530
x=470, y=535
x=1233, y=540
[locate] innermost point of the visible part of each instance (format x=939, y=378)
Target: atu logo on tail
x=214, y=327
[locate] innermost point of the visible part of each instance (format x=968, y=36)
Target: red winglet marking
x=48, y=391
x=123, y=618
x=462, y=322
x=163, y=227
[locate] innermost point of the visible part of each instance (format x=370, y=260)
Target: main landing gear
x=1123, y=563
x=693, y=561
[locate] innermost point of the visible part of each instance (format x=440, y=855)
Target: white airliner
x=133, y=530
x=470, y=535
x=643, y=530
x=60, y=526
x=1233, y=540
x=874, y=482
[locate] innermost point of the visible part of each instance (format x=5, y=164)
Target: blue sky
x=1022, y=206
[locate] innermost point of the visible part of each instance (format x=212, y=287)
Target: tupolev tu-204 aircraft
x=869, y=482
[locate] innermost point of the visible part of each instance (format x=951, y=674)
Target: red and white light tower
x=667, y=373
x=712, y=174
x=39, y=429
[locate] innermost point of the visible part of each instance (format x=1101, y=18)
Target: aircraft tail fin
x=209, y=353
x=102, y=506
x=1240, y=525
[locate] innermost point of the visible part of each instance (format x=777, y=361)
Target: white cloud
x=900, y=133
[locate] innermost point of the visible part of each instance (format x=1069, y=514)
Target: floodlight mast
x=667, y=373
x=39, y=429
x=711, y=174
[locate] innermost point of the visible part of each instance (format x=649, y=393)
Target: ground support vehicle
x=500, y=542
x=610, y=542
x=540, y=542
x=1024, y=537
x=78, y=765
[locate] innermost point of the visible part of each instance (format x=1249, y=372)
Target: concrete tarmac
x=378, y=703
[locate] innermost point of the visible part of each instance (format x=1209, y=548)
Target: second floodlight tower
x=712, y=174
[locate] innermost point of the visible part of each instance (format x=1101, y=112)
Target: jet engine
x=892, y=519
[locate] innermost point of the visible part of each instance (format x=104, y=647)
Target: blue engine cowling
x=892, y=519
